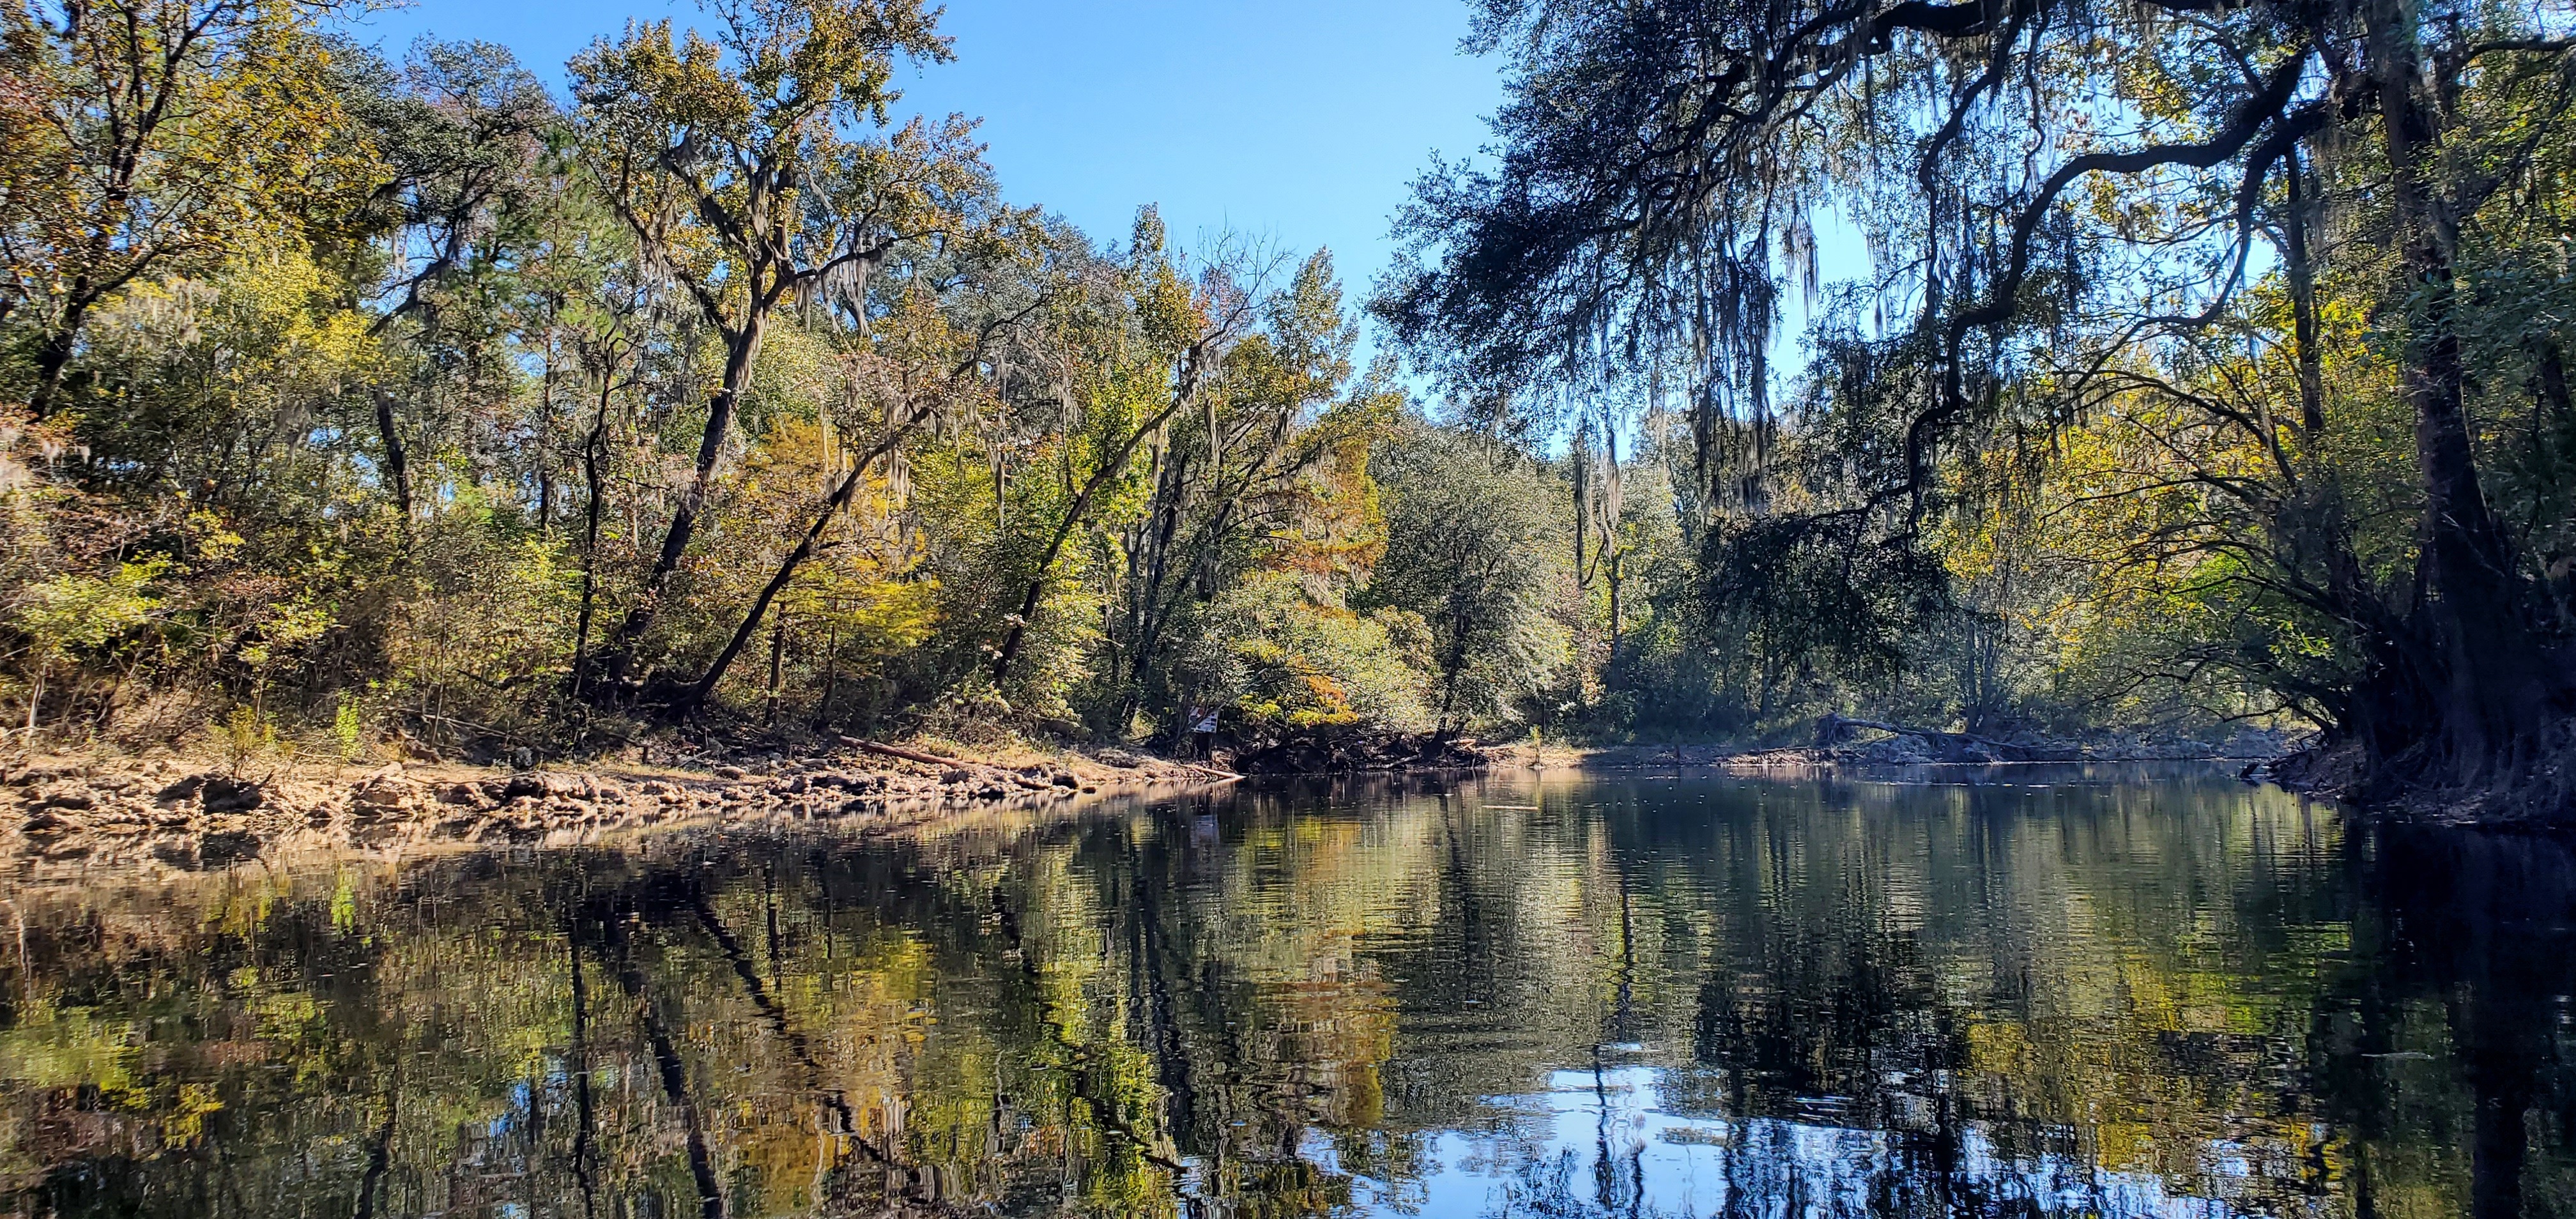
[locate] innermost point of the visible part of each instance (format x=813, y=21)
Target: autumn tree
x=152, y=136
x=738, y=161
x=1162, y=351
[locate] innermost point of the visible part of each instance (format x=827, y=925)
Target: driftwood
x=1826, y=728
x=995, y=772
x=929, y=759
x=1829, y=732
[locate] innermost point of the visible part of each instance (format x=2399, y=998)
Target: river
x=2057, y=991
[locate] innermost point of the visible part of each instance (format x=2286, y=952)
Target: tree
x=1472, y=546
x=2057, y=206
x=461, y=132
x=1182, y=334
x=1271, y=471
x=734, y=162
x=153, y=136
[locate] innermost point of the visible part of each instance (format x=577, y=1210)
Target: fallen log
x=1831, y=728
x=1830, y=722
x=931, y=759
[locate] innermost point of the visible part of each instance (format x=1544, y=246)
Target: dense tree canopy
x=2207, y=369
x=2240, y=312
x=407, y=405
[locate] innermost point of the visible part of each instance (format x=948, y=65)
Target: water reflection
x=2078, y=994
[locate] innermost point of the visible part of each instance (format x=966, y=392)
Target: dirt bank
x=175, y=811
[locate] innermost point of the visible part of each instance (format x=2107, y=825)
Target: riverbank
x=164, y=809
x=1911, y=748
x=2541, y=794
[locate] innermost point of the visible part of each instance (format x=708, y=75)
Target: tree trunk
x=544, y=454
x=2490, y=694
x=595, y=484
x=777, y=662
x=54, y=353
x=1081, y=507
x=397, y=467
x=1582, y=504
x=1611, y=510
x=831, y=678
x=1449, y=685
x=1618, y=560
x=742, y=351
x=2303, y=301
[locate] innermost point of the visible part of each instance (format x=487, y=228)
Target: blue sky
x=1300, y=122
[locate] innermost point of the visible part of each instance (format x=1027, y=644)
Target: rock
x=386, y=794
x=734, y=773
x=1063, y=779
x=225, y=794
x=34, y=775
x=545, y=784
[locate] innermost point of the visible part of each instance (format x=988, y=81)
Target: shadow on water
x=2043, y=992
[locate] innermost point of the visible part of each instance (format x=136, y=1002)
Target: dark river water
x=2079, y=994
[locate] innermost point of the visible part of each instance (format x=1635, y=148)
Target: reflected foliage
x=2155, y=995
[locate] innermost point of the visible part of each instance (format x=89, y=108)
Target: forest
x=2210, y=370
